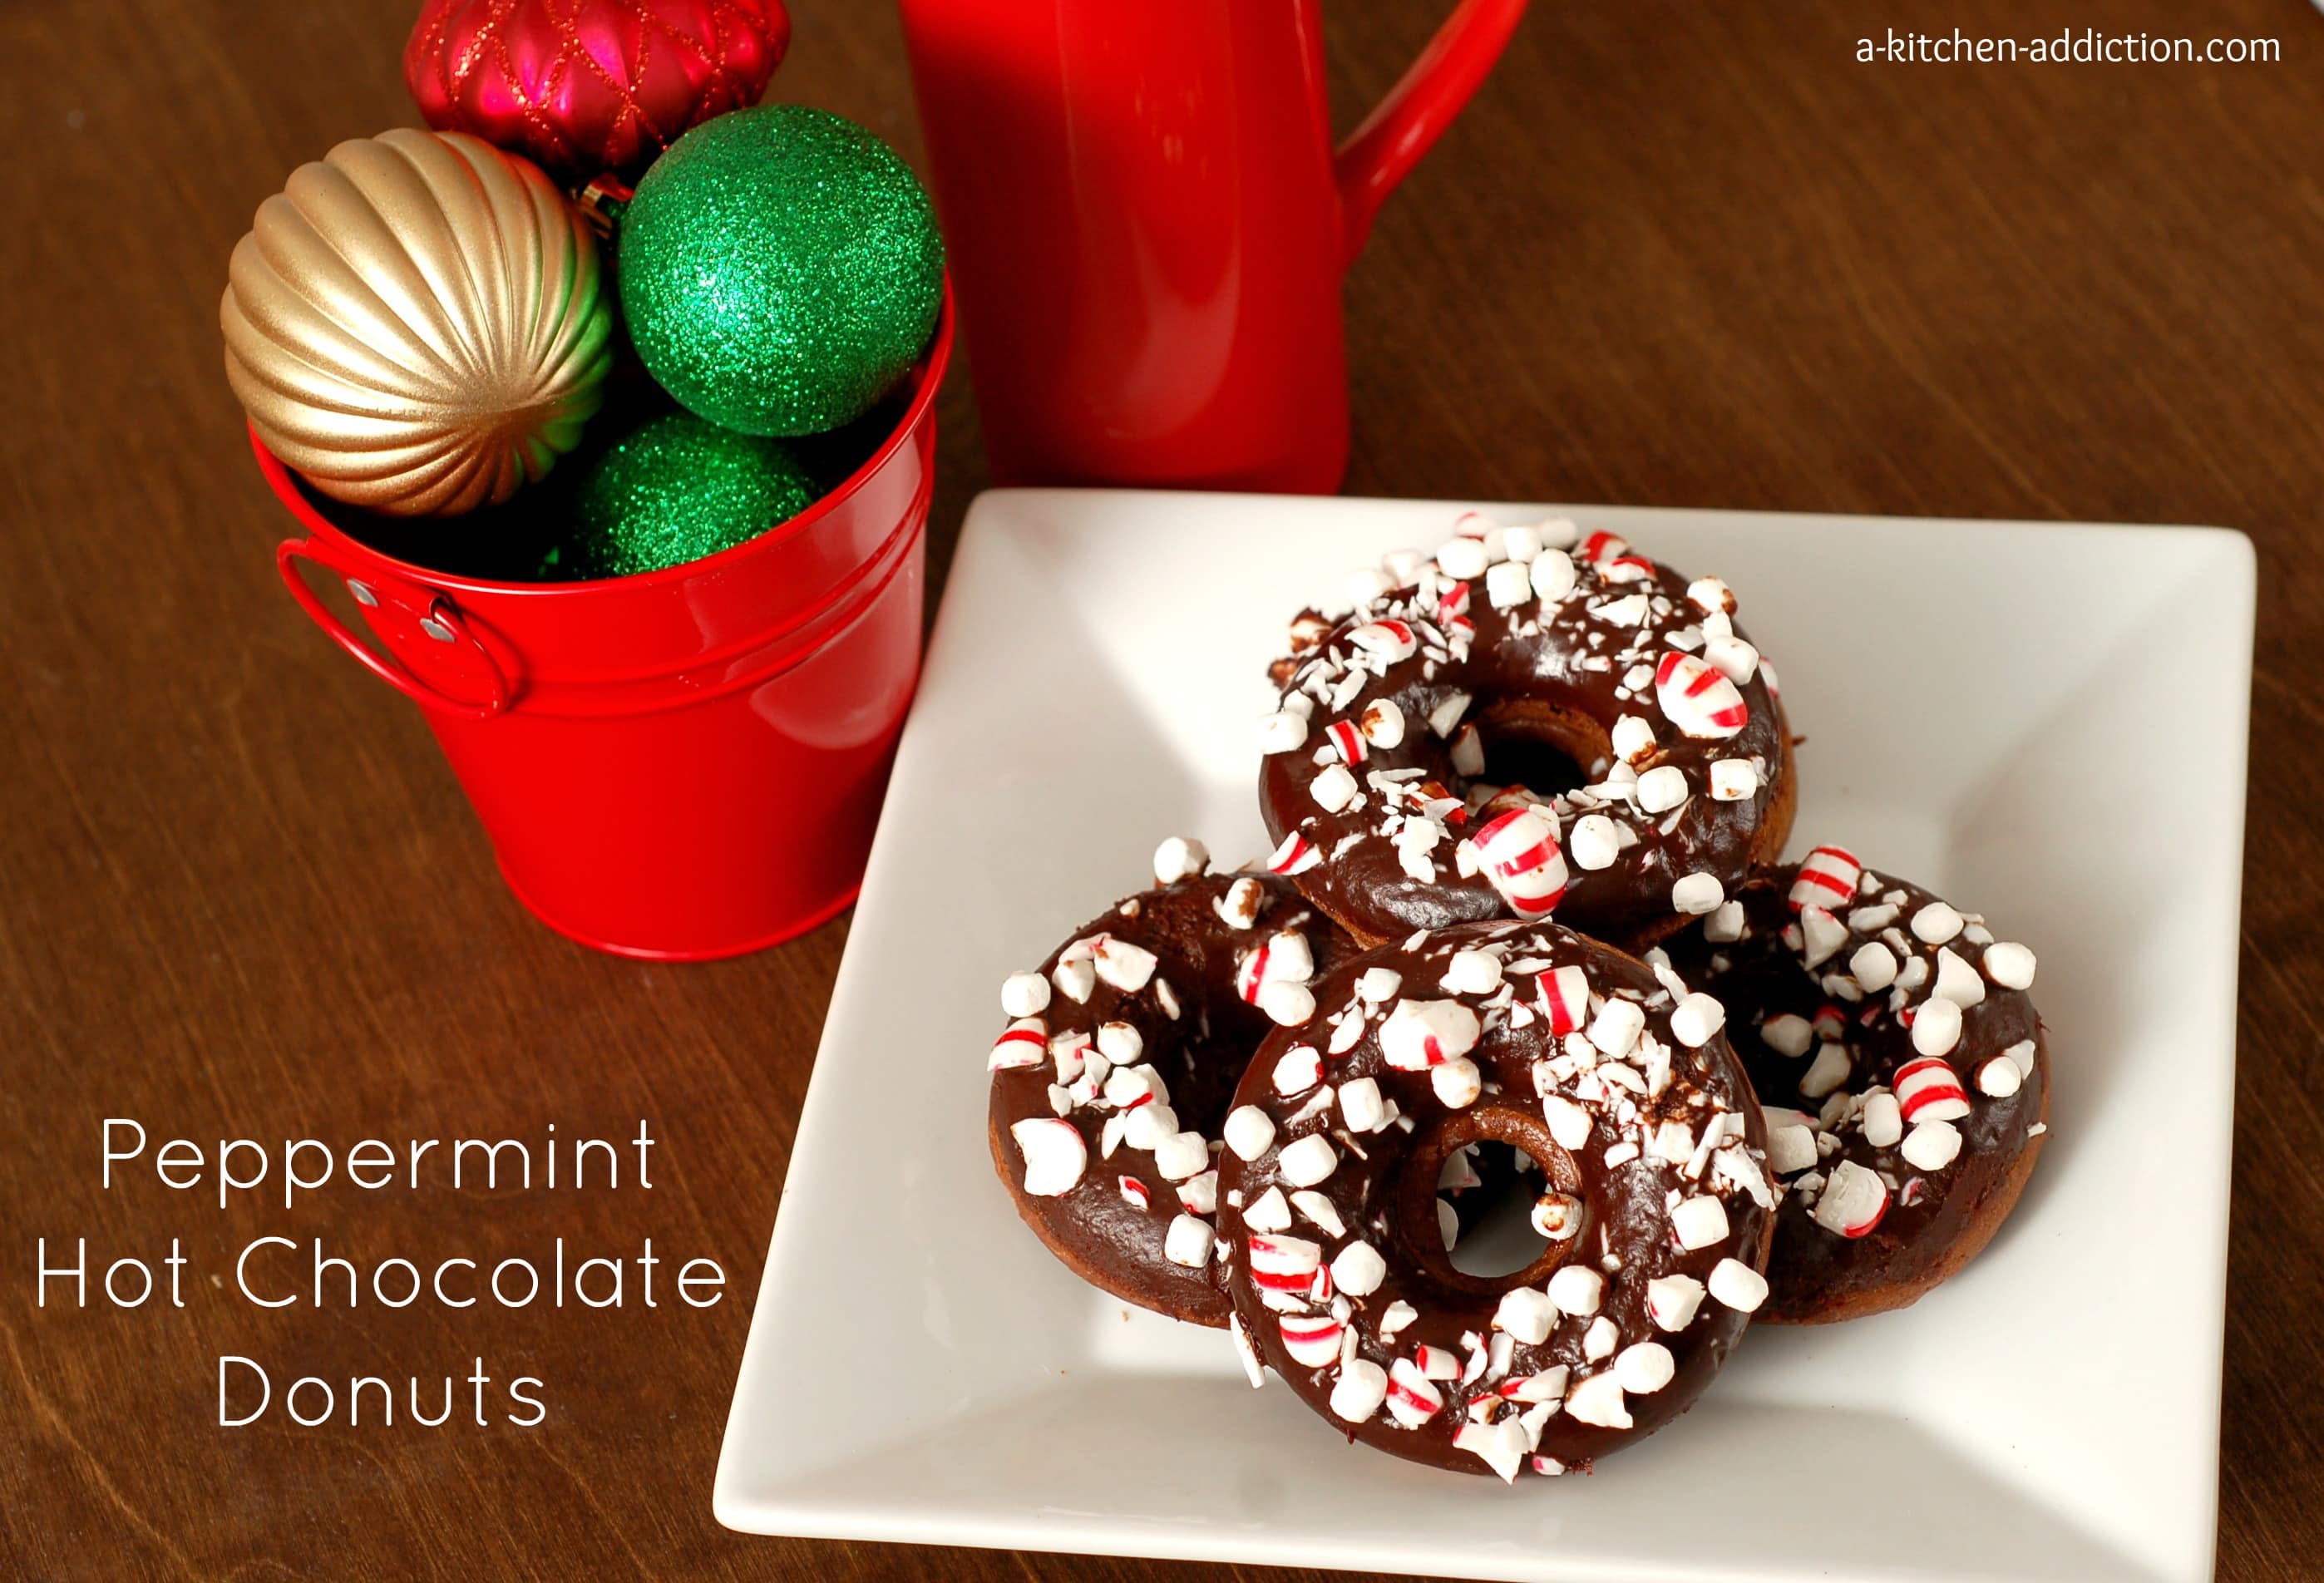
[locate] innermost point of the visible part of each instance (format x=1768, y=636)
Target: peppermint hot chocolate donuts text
x=1378, y=779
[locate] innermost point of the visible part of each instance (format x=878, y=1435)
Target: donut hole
x=1540, y=747
x=1491, y=1188
x=1496, y=1241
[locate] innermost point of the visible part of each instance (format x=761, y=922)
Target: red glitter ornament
x=588, y=87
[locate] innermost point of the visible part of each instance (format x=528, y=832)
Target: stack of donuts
x=1523, y=932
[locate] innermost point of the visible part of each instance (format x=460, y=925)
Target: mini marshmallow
x=1463, y=557
x=1738, y=1285
x=1446, y=717
x=1594, y=843
x=1379, y=985
x=1696, y=1020
x=1852, y=1203
x=1422, y=1033
x=1180, y=858
x=2009, y=964
x=1957, y=981
x=1697, y=698
x=1359, y=1269
x=1333, y=789
x=1724, y=925
x=1577, y=1290
x=1306, y=1161
x=1121, y=1043
x=1240, y=908
x=1614, y=1031
x=1551, y=575
x=1709, y=595
x=1672, y=1300
x=1999, y=1078
x=1074, y=977
x=1789, y=1149
x=1787, y=1035
x=1633, y=738
x=1189, y=1241
x=1661, y=788
x=1874, y=966
x=1360, y=1104
x=1055, y=1156
x=1182, y=1154
x=1283, y=731
x=1696, y=893
x=1472, y=972
x=1381, y=723
x=1936, y=1028
x=1936, y=922
x=1699, y=1221
x=1286, y=1005
x=1569, y=1123
x=1931, y=1146
x=1024, y=994
x=1556, y=1217
x=1247, y=1131
x=1509, y=584
x=1883, y=1121
x=1527, y=1313
x=1199, y=1193
x=1359, y=1390
x=1598, y=1400
x=1644, y=1368
x=1145, y=1126
x=1733, y=780
x=1457, y=1083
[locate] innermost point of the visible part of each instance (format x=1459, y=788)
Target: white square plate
x=1986, y=706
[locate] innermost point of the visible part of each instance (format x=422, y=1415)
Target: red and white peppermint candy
x=1928, y=1090
x=1412, y=1399
x=1296, y=855
x=1854, y=1199
x=1519, y=853
x=1313, y=1341
x=1827, y=878
x=1453, y=601
x=1626, y=568
x=1385, y=642
x=1134, y=1194
x=1564, y=994
x=1422, y=1033
x=1697, y=698
x=1283, y=1263
x=1347, y=741
x=1601, y=547
x=1025, y=1042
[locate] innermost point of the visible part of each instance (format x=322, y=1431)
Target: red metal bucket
x=680, y=765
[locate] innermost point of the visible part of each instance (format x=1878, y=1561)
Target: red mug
x=1146, y=225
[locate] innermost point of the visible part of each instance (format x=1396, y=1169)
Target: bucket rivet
x=362, y=591
x=435, y=629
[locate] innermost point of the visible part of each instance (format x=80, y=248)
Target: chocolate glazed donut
x=1903, y=1069
x=1377, y=783
x=1110, y=1082
x=1615, y=1081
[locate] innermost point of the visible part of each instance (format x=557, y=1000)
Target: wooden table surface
x=1676, y=253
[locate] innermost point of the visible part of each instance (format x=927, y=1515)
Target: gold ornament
x=418, y=323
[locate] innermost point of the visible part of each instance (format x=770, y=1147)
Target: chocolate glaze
x=1818, y=1274
x=1094, y=1228
x=1382, y=1186
x=1554, y=674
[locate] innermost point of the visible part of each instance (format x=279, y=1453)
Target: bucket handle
x=443, y=622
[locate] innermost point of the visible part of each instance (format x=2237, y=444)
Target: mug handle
x=443, y=621
x=1403, y=125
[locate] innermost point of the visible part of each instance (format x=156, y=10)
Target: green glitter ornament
x=675, y=490
x=780, y=270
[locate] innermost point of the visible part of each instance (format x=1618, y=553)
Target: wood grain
x=1676, y=254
